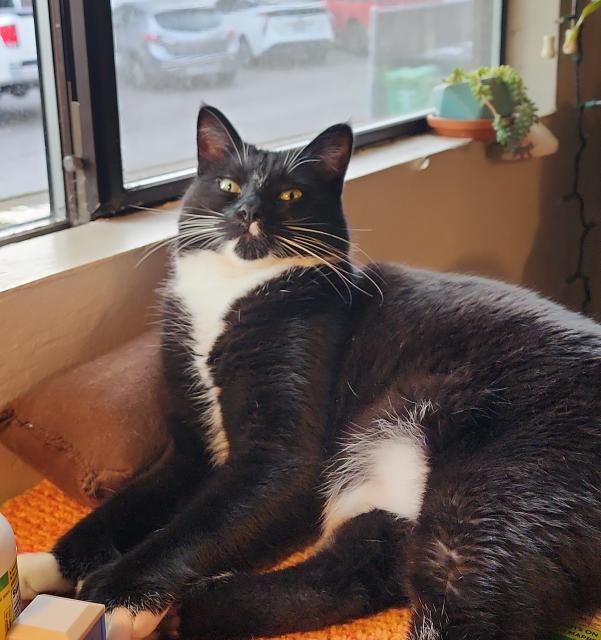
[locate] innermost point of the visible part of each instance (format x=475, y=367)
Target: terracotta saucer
x=475, y=129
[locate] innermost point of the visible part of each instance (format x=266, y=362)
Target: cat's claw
x=123, y=625
x=40, y=573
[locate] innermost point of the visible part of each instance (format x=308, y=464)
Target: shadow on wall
x=555, y=245
x=464, y=213
x=480, y=265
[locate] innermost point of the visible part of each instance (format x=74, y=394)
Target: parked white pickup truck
x=18, y=55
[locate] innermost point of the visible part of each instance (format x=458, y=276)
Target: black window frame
x=89, y=113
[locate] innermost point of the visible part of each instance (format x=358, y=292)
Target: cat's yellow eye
x=225, y=184
x=290, y=195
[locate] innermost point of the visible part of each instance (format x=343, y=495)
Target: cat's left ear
x=330, y=152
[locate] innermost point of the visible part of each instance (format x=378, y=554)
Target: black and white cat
x=440, y=433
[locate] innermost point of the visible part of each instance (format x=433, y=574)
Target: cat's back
x=468, y=305
x=434, y=328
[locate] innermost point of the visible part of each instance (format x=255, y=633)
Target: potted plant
x=489, y=103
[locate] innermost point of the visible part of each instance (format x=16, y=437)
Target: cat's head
x=258, y=203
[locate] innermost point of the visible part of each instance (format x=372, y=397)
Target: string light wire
x=587, y=225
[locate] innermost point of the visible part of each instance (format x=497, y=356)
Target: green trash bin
x=409, y=89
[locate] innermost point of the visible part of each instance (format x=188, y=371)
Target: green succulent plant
x=510, y=130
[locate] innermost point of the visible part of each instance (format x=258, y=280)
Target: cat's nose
x=248, y=213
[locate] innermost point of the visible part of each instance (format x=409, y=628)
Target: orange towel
x=42, y=514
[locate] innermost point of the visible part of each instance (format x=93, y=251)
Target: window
x=283, y=69
x=31, y=183
x=131, y=75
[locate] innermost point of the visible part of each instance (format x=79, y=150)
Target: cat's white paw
x=123, y=625
x=39, y=573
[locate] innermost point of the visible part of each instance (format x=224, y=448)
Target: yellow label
x=10, y=601
x=584, y=629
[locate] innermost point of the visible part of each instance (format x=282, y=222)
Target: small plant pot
x=475, y=129
x=456, y=101
x=459, y=115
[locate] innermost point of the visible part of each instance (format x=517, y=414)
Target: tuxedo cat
x=440, y=435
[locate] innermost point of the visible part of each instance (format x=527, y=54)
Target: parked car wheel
x=245, y=54
x=19, y=90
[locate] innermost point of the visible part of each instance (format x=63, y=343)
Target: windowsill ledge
x=51, y=255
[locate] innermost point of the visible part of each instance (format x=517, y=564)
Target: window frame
x=88, y=109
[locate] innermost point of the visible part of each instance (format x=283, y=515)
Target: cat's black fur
x=501, y=387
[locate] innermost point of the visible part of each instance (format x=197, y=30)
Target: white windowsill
x=29, y=261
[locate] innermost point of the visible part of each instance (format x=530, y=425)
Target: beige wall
x=464, y=212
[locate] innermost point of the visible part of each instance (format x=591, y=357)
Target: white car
x=5, y=75
x=279, y=27
x=17, y=47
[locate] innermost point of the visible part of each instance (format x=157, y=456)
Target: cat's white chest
x=207, y=284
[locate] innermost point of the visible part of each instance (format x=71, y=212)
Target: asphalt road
x=268, y=104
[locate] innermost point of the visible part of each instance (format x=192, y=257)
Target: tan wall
x=465, y=213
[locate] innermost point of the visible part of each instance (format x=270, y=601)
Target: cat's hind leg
x=356, y=574
x=507, y=547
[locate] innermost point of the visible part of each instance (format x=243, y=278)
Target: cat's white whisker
x=300, y=163
x=343, y=258
x=207, y=240
x=352, y=245
x=294, y=156
x=340, y=258
x=326, y=262
x=202, y=208
x=154, y=248
x=199, y=224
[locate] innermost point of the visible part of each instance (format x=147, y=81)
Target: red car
x=350, y=19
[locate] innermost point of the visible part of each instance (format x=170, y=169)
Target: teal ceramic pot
x=456, y=102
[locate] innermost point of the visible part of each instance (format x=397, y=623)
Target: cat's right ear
x=216, y=137
x=330, y=151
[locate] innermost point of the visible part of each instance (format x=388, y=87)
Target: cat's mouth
x=252, y=246
x=251, y=242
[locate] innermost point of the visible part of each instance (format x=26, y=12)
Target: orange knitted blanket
x=42, y=514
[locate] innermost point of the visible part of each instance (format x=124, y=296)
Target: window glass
x=25, y=198
x=283, y=69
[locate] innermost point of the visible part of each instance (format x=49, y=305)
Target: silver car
x=168, y=39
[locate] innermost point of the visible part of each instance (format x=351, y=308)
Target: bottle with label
x=10, y=601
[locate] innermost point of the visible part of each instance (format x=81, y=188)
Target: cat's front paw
x=123, y=624
x=134, y=607
x=40, y=573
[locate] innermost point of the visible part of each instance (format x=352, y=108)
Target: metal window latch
x=73, y=163
x=76, y=166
